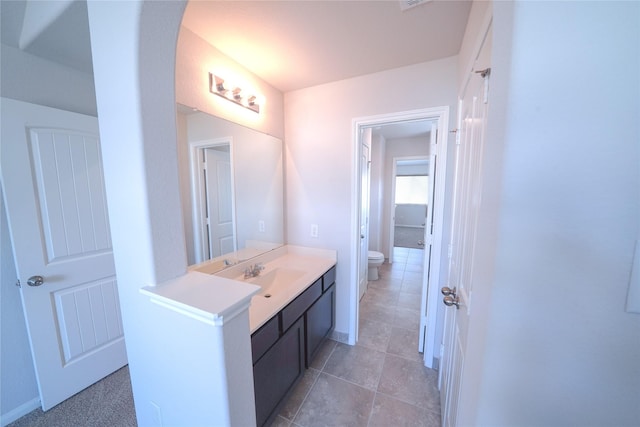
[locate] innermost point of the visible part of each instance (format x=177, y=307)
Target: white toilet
x=375, y=260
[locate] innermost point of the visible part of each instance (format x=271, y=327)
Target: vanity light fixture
x=234, y=94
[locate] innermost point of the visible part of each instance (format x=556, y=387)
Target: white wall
x=18, y=388
x=137, y=128
x=320, y=171
x=195, y=59
x=551, y=343
x=29, y=78
x=174, y=360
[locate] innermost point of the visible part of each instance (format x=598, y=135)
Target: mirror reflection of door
x=250, y=221
x=218, y=201
x=212, y=176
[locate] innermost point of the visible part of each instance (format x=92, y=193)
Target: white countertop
x=311, y=263
x=212, y=297
x=202, y=296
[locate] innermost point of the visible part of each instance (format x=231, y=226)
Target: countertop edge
x=203, y=297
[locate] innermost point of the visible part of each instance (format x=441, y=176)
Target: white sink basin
x=276, y=279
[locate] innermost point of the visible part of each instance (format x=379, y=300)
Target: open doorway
x=409, y=199
x=435, y=145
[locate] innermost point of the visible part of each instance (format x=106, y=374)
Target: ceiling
x=297, y=44
x=56, y=30
x=290, y=44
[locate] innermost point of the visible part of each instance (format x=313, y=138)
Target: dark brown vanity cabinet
x=278, y=370
x=284, y=346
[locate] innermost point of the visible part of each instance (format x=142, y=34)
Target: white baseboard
x=20, y=411
x=342, y=337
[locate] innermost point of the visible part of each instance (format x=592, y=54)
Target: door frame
x=392, y=198
x=197, y=192
x=441, y=115
x=364, y=231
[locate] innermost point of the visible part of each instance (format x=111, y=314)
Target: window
x=412, y=189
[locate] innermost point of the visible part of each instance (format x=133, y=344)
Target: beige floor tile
x=298, y=394
x=385, y=283
x=280, y=422
x=409, y=300
x=374, y=335
x=381, y=296
x=394, y=273
x=335, y=402
x=378, y=312
x=359, y=365
x=411, y=382
x=413, y=267
x=388, y=411
x=323, y=354
x=411, y=287
x=407, y=319
x=404, y=343
x=412, y=276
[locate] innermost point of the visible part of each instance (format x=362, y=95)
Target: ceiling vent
x=409, y=4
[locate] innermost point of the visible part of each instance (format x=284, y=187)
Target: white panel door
x=53, y=184
x=467, y=190
x=219, y=202
x=429, y=228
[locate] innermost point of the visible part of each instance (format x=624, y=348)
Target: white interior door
x=467, y=190
x=365, y=173
x=429, y=229
x=53, y=184
x=219, y=201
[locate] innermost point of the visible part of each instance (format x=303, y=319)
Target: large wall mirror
x=231, y=183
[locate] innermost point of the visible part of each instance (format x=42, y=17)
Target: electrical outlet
x=314, y=230
x=261, y=226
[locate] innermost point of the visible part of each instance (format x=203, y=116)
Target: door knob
x=35, y=281
x=446, y=291
x=450, y=300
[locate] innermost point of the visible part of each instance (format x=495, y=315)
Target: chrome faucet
x=253, y=270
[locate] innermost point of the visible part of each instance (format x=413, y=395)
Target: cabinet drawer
x=329, y=278
x=298, y=306
x=264, y=338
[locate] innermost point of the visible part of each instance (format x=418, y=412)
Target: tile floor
x=381, y=381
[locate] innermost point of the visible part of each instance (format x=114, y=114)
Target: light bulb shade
x=217, y=86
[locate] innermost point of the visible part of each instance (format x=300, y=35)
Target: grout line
x=305, y=396
x=351, y=382
x=320, y=371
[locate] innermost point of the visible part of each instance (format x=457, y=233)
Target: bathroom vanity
x=286, y=344
x=289, y=317
x=270, y=313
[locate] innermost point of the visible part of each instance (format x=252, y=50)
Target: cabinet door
x=319, y=322
x=278, y=371
x=264, y=338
